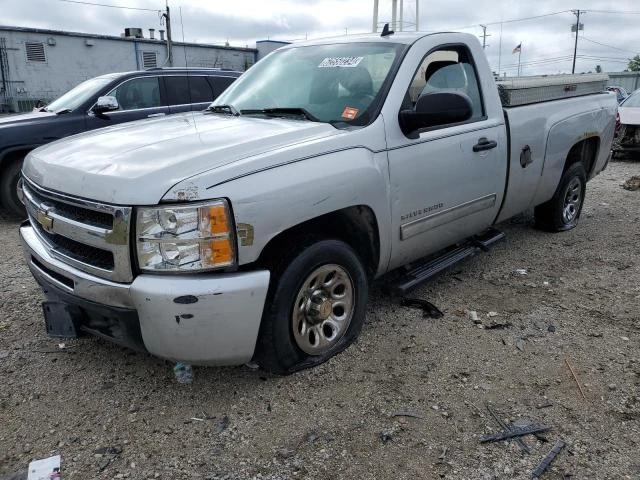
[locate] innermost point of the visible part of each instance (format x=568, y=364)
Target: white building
x=38, y=64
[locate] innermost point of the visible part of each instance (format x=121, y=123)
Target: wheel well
x=584, y=151
x=356, y=226
x=13, y=155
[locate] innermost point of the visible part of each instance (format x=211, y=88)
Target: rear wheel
x=9, y=189
x=315, y=309
x=563, y=210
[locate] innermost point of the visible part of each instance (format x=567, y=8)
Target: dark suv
x=100, y=102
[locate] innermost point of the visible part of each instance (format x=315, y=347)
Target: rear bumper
x=200, y=319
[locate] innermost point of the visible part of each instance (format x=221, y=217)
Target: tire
x=562, y=212
x=329, y=316
x=9, y=189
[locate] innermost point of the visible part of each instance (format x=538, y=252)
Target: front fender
x=272, y=201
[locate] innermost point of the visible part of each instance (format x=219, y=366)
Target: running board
x=426, y=269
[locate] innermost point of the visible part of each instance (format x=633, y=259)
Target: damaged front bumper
x=200, y=319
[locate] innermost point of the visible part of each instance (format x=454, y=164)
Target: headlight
x=185, y=237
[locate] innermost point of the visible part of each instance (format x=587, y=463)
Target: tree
x=634, y=64
x=598, y=69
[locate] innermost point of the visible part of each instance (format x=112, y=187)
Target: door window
x=137, y=93
x=183, y=90
x=220, y=83
x=447, y=70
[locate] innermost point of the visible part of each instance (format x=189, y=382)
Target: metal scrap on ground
x=575, y=377
x=546, y=461
x=515, y=432
x=632, y=183
x=429, y=309
x=505, y=427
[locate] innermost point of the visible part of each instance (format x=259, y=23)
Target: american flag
x=518, y=49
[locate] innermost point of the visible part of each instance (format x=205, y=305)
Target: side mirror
x=432, y=109
x=106, y=104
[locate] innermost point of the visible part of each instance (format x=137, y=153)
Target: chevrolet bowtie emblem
x=45, y=220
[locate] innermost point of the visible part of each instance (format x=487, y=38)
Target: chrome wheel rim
x=323, y=309
x=572, y=200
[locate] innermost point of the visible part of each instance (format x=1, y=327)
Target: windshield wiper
x=224, y=109
x=283, y=111
x=64, y=110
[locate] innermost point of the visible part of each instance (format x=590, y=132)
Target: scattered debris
x=45, y=469
x=544, y=405
x=515, y=432
x=492, y=314
x=625, y=339
x=221, y=426
x=505, y=427
x=575, y=377
x=402, y=413
x=551, y=328
x=113, y=450
x=498, y=325
x=203, y=416
x=444, y=453
x=428, y=308
x=473, y=316
x=183, y=372
x=521, y=271
x=546, y=461
x=632, y=183
x=385, y=436
x=520, y=344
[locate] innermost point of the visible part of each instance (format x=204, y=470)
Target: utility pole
x=484, y=36
x=167, y=19
x=401, y=19
x=374, y=27
x=417, y=15
x=578, y=26
x=394, y=14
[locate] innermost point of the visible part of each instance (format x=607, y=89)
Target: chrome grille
x=92, y=237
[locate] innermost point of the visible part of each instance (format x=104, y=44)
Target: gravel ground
x=578, y=302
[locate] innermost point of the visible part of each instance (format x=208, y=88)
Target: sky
x=609, y=37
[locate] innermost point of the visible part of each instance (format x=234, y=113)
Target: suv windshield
x=326, y=83
x=78, y=95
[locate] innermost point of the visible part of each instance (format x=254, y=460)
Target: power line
x=109, y=6
x=617, y=12
x=515, y=19
x=605, y=45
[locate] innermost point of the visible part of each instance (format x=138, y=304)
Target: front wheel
x=315, y=309
x=563, y=210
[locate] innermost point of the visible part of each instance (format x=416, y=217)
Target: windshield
x=633, y=101
x=78, y=95
x=330, y=83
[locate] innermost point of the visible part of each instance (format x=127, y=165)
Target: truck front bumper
x=205, y=319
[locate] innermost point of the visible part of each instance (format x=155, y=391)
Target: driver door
x=443, y=190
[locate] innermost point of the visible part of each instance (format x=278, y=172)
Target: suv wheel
x=9, y=189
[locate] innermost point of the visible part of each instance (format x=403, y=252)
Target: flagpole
x=500, y=52
x=519, y=55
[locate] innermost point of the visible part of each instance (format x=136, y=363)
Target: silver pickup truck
x=253, y=230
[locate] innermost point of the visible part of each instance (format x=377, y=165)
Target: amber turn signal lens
x=218, y=220
x=221, y=251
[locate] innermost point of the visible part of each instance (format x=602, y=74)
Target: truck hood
x=136, y=163
x=629, y=115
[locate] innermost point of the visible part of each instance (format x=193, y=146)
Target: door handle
x=484, y=144
x=156, y=115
